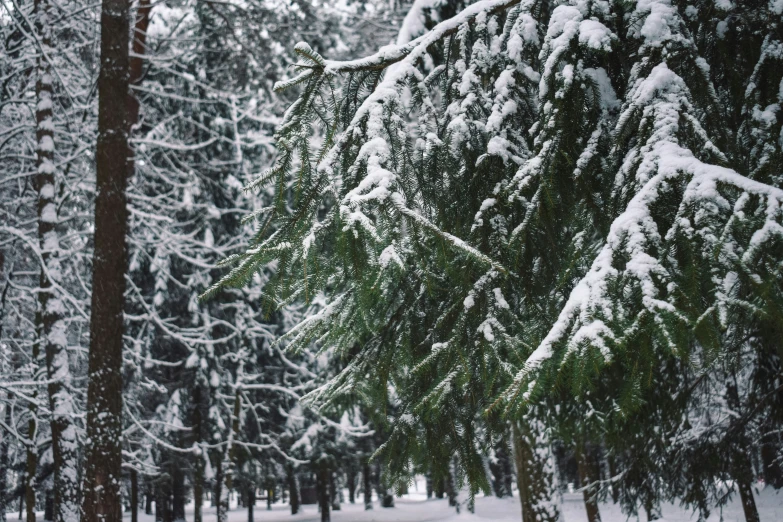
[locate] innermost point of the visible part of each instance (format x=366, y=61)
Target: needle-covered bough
x=531, y=195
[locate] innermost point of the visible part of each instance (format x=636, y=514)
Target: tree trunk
x=49, y=505
x=31, y=469
x=158, y=506
x=293, y=489
x=771, y=466
x=508, y=474
x=251, y=502
x=440, y=488
x=148, y=503
x=535, y=473
x=178, y=492
x=162, y=503
x=385, y=499
x=217, y=490
x=103, y=473
x=322, y=485
x=614, y=488
x=587, y=464
x=744, y=478
x=228, y=465
x=367, y=478
x=134, y=494
x=4, y=464
x=429, y=485
x=451, y=490
x=351, y=483
x=52, y=311
x=334, y=488
x=198, y=488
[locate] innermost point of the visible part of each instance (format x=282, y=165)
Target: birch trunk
x=53, y=327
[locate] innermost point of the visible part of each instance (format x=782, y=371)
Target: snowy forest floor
x=414, y=507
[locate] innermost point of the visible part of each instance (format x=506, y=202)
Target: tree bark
x=367, y=478
x=63, y=504
x=293, y=489
x=52, y=311
x=535, y=473
x=178, y=492
x=228, y=465
x=31, y=465
x=440, y=488
x=4, y=462
x=744, y=478
x=217, y=490
x=251, y=502
x=49, y=505
x=351, y=483
x=451, y=490
x=322, y=485
x=198, y=488
x=334, y=488
x=134, y=494
x=162, y=504
x=771, y=466
x=103, y=473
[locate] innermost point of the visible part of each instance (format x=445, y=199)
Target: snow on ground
x=415, y=507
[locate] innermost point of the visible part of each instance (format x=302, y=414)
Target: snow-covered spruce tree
x=554, y=201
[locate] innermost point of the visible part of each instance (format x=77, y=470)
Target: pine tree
x=103, y=464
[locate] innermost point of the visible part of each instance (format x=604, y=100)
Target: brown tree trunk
x=103, y=473
x=117, y=113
